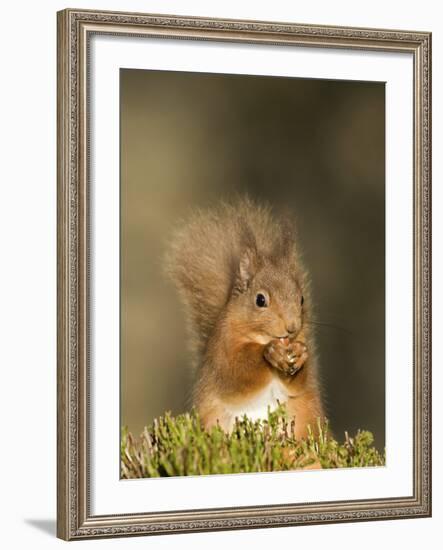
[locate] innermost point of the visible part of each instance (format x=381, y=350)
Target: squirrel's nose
x=291, y=328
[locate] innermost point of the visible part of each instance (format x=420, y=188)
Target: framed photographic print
x=244, y=247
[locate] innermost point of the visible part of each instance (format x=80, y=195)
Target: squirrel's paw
x=288, y=357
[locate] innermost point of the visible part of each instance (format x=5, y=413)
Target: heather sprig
x=180, y=446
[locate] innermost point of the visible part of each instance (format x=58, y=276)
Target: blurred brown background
x=190, y=139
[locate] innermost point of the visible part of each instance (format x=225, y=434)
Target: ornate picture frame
x=75, y=519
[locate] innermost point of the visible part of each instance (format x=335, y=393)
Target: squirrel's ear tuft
x=246, y=270
x=287, y=236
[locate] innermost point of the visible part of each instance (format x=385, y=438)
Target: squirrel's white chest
x=256, y=408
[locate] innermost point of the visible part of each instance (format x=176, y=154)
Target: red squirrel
x=246, y=297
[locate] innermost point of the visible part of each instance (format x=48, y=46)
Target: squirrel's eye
x=302, y=301
x=260, y=300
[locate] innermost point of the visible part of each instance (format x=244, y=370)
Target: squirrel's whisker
x=329, y=325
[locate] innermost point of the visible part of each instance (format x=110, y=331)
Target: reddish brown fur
x=220, y=260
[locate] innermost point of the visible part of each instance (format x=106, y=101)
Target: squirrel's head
x=267, y=299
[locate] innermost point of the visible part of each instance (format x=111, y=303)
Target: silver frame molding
x=75, y=28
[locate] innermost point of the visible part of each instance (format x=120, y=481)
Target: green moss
x=180, y=446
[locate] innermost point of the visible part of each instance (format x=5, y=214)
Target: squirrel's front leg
x=285, y=355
